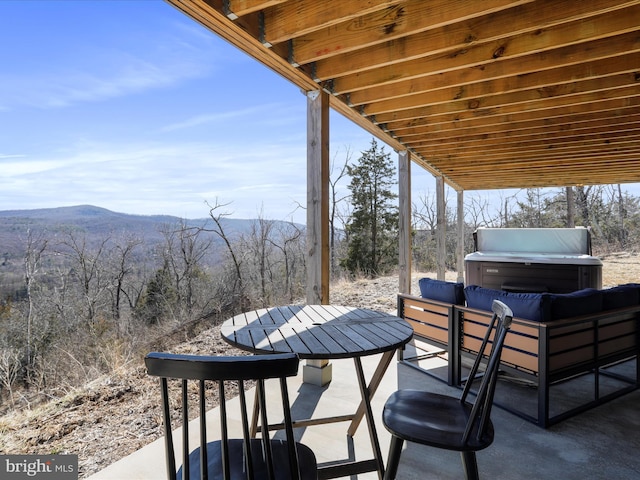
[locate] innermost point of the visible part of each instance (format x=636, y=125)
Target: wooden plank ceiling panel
x=238, y=8
x=491, y=94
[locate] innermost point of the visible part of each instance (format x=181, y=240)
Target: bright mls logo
x=37, y=467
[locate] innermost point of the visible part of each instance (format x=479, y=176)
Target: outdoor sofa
x=565, y=353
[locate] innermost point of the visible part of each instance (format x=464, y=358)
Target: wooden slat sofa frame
x=543, y=353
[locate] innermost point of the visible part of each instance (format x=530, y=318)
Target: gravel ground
x=118, y=414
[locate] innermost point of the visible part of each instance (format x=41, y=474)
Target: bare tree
x=35, y=246
x=123, y=267
x=10, y=367
x=337, y=198
x=571, y=207
x=425, y=226
x=588, y=202
x=259, y=244
x=289, y=245
x=622, y=216
x=480, y=212
x=184, y=251
x=238, y=293
x=87, y=267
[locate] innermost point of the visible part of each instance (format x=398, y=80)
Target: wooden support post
x=317, y=197
x=404, y=231
x=460, y=234
x=441, y=244
x=317, y=372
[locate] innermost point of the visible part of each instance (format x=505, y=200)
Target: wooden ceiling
x=487, y=93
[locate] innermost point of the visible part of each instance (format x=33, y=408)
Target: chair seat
x=306, y=458
x=432, y=419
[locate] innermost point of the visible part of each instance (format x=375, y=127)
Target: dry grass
x=103, y=421
x=620, y=268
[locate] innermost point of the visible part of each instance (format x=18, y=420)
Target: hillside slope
x=118, y=414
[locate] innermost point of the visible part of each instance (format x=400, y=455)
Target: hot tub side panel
x=532, y=277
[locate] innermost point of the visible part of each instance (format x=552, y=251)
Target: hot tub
x=554, y=260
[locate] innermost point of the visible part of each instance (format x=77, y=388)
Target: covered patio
x=599, y=444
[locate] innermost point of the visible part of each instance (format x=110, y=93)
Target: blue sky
x=132, y=106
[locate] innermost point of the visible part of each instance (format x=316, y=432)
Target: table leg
x=254, y=417
x=373, y=386
x=364, y=410
x=366, y=402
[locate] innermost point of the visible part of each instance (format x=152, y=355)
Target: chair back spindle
x=245, y=429
x=186, y=471
x=204, y=471
x=481, y=411
x=288, y=425
x=170, y=457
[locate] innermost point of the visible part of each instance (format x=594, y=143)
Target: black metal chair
x=232, y=458
x=447, y=422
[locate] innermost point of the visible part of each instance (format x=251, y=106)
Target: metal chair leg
x=395, y=449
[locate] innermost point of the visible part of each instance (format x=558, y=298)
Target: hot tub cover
x=567, y=246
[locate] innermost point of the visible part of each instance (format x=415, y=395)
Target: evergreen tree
x=159, y=298
x=372, y=230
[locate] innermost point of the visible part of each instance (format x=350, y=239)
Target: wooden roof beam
x=447, y=88
x=552, y=162
x=234, y=9
x=588, y=165
x=524, y=54
x=607, y=174
x=406, y=18
x=506, y=23
x=303, y=18
x=580, y=103
x=532, y=141
x=605, y=108
x=585, y=167
x=544, y=133
x=533, y=151
x=502, y=100
x=461, y=113
x=604, y=119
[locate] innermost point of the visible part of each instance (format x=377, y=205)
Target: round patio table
x=324, y=332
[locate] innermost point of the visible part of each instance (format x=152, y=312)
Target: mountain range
x=95, y=222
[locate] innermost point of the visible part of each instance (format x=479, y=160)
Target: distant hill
x=95, y=222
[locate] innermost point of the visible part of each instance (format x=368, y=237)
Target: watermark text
x=39, y=467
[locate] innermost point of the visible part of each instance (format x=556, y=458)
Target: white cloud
x=160, y=178
x=95, y=68
x=122, y=75
x=215, y=117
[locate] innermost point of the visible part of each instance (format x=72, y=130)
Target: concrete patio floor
x=602, y=443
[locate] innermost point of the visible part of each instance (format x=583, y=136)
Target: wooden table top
x=317, y=331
